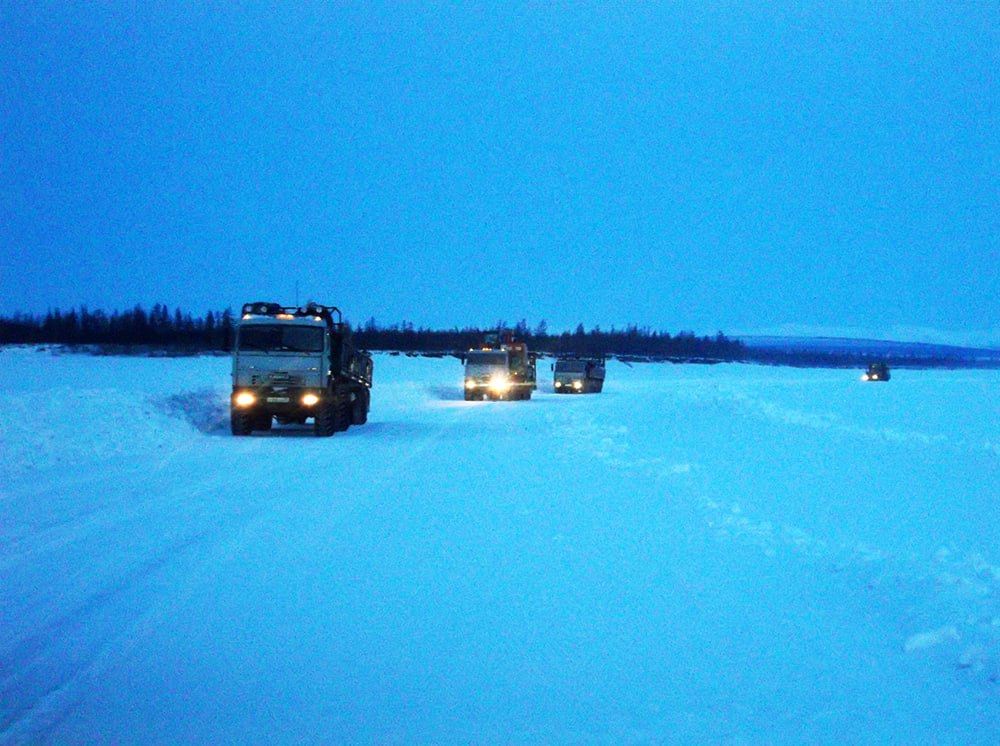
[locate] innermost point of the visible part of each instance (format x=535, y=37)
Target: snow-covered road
x=701, y=553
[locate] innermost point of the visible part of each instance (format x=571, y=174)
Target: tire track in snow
x=957, y=591
x=448, y=416
x=123, y=503
x=87, y=470
x=47, y=669
x=42, y=670
x=780, y=414
x=50, y=668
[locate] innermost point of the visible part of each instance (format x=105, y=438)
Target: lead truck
x=292, y=364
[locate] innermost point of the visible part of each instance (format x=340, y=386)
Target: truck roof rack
x=263, y=308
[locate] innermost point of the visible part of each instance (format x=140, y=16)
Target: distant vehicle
x=500, y=369
x=293, y=364
x=877, y=372
x=578, y=375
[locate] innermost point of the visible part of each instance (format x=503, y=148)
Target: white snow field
x=725, y=553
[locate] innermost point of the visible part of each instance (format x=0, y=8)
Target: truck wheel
x=240, y=422
x=323, y=424
x=341, y=415
x=359, y=409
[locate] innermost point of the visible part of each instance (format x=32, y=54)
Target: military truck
x=578, y=375
x=500, y=369
x=293, y=364
x=877, y=372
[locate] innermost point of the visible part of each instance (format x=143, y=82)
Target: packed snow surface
x=701, y=553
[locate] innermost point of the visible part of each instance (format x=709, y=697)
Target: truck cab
x=500, y=369
x=877, y=372
x=576, y=375
x=486, y=374
x=293, y=364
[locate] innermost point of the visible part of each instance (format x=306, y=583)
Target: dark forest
x=160, y=330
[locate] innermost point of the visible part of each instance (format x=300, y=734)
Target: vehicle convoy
x=293, y=364
x=877, y=372
x=578, y=375
x=500, y=369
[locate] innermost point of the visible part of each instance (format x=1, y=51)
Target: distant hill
x=919, y=353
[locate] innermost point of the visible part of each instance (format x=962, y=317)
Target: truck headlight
x=499, y=384
x=310, y=400
x=558, y=384
x=578, y=385
x=245, y=399
x=470, y=383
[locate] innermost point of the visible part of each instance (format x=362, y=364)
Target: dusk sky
x=743, y=166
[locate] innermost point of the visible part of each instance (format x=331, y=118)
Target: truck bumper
x=485, y=390
x=293, y=401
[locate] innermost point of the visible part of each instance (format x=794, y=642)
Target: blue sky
x=684, y=165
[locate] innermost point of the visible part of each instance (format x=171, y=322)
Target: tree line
x=632, y=341
x=158, y=327
x=137, y=329
x=164, y=329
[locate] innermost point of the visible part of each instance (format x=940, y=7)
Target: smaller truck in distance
x=578, y=375
x=294, y=364
x=500, y=369
x=877, y=372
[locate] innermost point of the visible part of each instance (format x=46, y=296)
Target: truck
x=578, y=375
x=877, y=372
x=501, y=368
x=292, y=364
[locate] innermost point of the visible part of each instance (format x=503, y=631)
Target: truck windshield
x=571, y=366
x=281, y=338
x=487, y=357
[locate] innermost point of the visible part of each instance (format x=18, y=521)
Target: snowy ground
x=728, y=553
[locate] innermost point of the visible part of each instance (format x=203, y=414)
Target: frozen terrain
x=701, y=553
